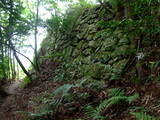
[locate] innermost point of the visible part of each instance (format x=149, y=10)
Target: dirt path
x=7, y=102
x=12, y=88
x=19, y=99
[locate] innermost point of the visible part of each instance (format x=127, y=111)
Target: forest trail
x=12, y=88
x=19, y=100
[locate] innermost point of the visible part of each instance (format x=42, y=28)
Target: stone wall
x=99, y=51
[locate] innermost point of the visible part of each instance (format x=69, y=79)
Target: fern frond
x=96, y=113
x=115, y=92
x=63, y=89
x=143, y=116
x=93, y=114
x=117, y=96
x=136, y=108
x=132, y=98
x=106, y=103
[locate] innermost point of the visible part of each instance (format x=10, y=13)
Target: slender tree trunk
x=14, y=67
x=9, y=72
x=36, y=17
x=11, y=65
x=17, y=75
x=2, y=55
x=35, y=36
x=3, y=64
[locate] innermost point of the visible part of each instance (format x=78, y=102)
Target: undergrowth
x=26, y=80
x=143, y=116
x=116, y=97
x=88, y=67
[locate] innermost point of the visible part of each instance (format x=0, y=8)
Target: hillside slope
x=97, y=65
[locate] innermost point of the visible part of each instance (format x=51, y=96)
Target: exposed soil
x=19, y=101
x=12, y=88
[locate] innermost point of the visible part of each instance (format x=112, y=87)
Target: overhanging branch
x=21, y=54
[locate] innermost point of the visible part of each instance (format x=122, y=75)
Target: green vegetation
x=116, y=98
x=143, y=116
x=25, y=82
x=103, y=59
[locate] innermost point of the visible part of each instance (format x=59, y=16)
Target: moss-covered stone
x=98, y=52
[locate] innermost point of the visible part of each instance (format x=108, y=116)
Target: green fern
x=115, y=92
x=93, y=114
x=132, y=98
x=143, y=116
x=50, y=104
x=96, y=113
x=136, y=108
x=106, y=103
x=63, y=90
x=117, y=96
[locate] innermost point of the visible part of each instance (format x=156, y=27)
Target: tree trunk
x=14, y=67
x=9, y=72
x=2, y=55
x=35, y=37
